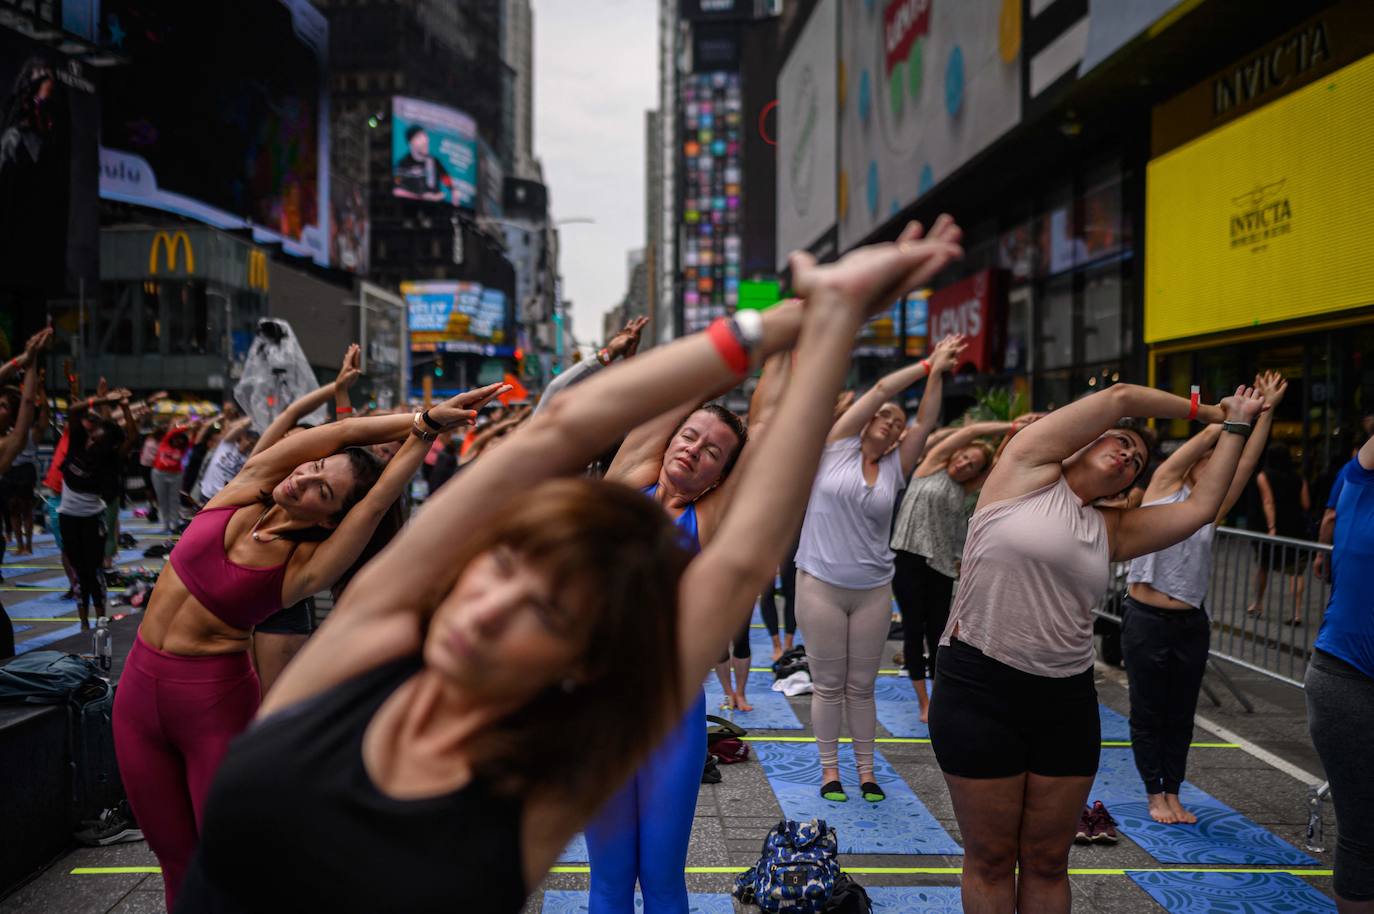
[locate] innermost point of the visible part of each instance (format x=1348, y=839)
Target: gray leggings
x=1340, y=715
x=167, y=486
x=844, y=631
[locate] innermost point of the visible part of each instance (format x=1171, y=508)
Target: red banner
x=903, y=22
x=973, y=307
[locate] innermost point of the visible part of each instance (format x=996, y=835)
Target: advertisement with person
x=267, y=167
x=433, y=153
x=457, y=317
x=806, y=135
x=927, y=86
x=48, y=124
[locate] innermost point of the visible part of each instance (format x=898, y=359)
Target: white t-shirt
x=844, y=540
x=223, y=465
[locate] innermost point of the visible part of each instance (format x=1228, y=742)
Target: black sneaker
x=116, y=825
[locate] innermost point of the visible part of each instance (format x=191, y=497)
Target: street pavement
x=1262, y=772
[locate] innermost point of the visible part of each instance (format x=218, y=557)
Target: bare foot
x=1161, y=811
x=777, y=652
x=741, y=704
x=1253, y=609
x=1180, y=814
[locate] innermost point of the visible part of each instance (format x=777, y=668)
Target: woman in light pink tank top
x=1013, y=718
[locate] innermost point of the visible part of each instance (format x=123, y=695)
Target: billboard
x=1267, y=218
x=927, y=85
x=264, y=164
x=973, y=307
x=807, y=103
x=458, y=317
x=49, y=122
x=433, y=153
x=712, y=121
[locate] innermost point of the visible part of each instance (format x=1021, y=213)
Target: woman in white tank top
x=1166, y=633
x=1013, y=719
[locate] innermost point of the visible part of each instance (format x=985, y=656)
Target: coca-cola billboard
x=975, y=308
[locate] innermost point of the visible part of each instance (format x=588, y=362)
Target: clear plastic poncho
x=275, y=373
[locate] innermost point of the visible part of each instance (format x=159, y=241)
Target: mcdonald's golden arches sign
x=170, y=244
x=257, y=270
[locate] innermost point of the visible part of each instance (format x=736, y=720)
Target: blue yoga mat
x=1221, y=835
x=901, y=824
x=1235, y=893
x=1115, y=728
x=903, y=900
x=898, y=710
x=43, y=640
x=771, y=710
x=45, y=551
x=565, y=902
x=576, y=851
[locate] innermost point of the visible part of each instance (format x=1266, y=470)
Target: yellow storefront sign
x=1267, y=219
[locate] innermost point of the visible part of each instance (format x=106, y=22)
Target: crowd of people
x=595, y=571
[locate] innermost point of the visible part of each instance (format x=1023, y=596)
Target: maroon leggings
x=173, y=720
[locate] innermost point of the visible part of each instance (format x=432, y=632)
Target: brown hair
x=736, y=425
x=614, y=558
x=1147, y=437
x=984, y=448
x=367, y=469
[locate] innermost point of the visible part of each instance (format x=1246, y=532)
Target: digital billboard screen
x=222, y=115
x=712, y=105
x=458, y=317
x=433, y=153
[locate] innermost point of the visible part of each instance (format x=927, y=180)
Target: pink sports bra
x=238, y=595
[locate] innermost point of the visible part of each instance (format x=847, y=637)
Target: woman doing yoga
x=424, y=729
x=844, y=565
x=293, y=520
x=1014, y=720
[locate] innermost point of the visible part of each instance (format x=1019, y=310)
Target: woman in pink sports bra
x=1013, y=718
x=293, y=520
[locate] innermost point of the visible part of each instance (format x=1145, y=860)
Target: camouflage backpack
x=796, y=871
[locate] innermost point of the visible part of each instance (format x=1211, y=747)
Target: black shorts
x=988, y=720
x=18, y=482
x=294, y=620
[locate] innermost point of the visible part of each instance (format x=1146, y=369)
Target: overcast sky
x=595, y=74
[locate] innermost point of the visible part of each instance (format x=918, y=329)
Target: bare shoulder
x=1013, y=479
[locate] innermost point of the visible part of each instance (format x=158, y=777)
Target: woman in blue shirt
x=1340, y=686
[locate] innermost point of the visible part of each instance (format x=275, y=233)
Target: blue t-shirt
x=1339, y=483
x=1348, y=630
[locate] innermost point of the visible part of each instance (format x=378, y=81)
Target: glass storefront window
x=1105, y=334
x=1055, y=319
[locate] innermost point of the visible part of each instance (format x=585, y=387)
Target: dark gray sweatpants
x=1340, y=715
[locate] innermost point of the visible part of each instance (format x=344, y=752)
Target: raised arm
x=331, y=558
x=942, y=360
x=954, y=440
x=621, y=346
x=29, y=357
x=720, y=585
x=1140, y=531
x=763, y=406
x=866, y=407
x=645, y=443
x=1169, y=475
x=13, y=443
x=130, y=427
x=307, y=404
x=1272, y=387
x=349, y=372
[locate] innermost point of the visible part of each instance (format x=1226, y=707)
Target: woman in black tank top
x=457, y=719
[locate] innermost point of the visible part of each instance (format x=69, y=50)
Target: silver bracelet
x=748, y=327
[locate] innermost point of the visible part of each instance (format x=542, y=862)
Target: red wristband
x=1193, y=399
x=926, y=362
x=732, y=352
x=342, y=410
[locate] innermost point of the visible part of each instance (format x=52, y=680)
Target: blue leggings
x=642, y=832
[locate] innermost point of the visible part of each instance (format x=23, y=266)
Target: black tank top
x=294, y=823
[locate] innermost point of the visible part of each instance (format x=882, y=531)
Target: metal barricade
x=1265, y=601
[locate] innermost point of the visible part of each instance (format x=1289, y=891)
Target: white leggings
x=844, y=631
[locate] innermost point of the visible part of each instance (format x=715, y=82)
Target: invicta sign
x=1261, y=215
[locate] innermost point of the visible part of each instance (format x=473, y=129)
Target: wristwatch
x=1239, y=428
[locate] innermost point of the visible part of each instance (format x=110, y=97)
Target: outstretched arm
x=13, y=443
x=1033, y=456
x=307, y=404
x=644, y=445
x=956, y=439
x=1272, y=387
x=1140, y=531
x=941, y=361
x=867, y=406
x=335, y=555
x=1169, y=475
x=29, y=357
x=621, y=346
x=720, y=585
